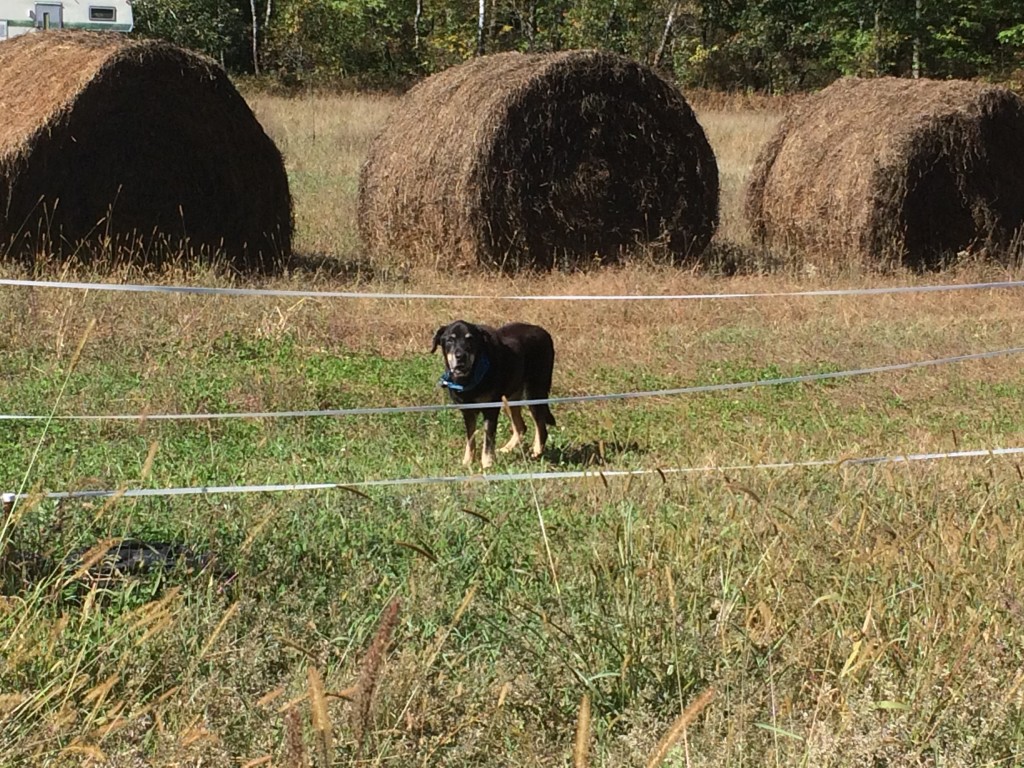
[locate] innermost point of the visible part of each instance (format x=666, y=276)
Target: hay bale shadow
x=729, y=259
x=330, y=266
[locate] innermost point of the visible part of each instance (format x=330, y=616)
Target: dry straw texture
x=540, y=160
x=129, y=143
x=369, y=675
x=893, y=171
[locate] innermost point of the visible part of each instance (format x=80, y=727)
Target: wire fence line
x=398, y=296
x=510, y=477
x=398, y=409
x=207, y=490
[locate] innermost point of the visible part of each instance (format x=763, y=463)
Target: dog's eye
x=467, y=336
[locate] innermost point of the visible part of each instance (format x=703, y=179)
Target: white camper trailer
x=20, y=16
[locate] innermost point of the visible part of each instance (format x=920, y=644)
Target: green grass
x=844, y=616
x=865, y=586
x=254, y=374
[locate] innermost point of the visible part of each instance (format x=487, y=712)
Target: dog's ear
x=437, y=338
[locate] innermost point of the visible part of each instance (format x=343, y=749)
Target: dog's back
x=537, y=350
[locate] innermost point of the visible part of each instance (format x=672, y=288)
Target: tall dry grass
x=736, y=136
x=843, y=616
x=324, y=140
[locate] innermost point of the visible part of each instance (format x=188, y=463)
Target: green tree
x=768, y=45
x=965, y=38
x=218, y=29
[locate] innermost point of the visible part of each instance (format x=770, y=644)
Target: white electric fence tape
x=521, y=476
x=387, y=410
x=212, y=291
x=525, y=476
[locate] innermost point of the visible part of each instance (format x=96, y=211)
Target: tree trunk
x=878, y=42
x=255, y=38
x=915, y=67
x=531, y=24
x=480, y=29
x=416, y=24
x=666, y=34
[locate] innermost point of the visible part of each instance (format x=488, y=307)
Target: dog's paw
x=486, y=461
x=510, y=446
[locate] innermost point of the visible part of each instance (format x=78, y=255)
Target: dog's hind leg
x=469, y=419
x=541, y=418
x=490, y=431
x=538, y=387
x=518, y=429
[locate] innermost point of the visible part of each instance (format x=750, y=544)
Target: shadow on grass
x=596, y=453
x=330, y=266
x=729, y=259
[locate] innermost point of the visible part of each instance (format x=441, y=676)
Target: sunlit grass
x=841, y=615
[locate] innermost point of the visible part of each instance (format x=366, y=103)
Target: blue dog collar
x=480, y=369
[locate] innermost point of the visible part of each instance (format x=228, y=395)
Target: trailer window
x=97, y=13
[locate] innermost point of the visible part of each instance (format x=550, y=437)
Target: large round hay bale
x=893, y=171
x=137, y=146
x=536, y=160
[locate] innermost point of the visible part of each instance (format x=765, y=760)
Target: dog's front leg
x=469, y=419
x=490, y=432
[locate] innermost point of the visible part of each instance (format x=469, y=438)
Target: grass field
x=842, y=615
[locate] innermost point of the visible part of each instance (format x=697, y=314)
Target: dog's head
x=462, y=344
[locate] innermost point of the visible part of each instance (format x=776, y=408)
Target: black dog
x=484, y=364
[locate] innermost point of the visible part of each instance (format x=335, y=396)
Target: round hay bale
x=136, y=146
x=893, y=171
x=536, y=160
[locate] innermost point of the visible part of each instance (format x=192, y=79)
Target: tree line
x=772, y=46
